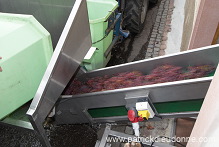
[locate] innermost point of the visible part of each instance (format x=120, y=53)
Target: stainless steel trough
x=74, y=108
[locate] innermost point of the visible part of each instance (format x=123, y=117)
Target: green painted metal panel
x=26, y=49
x=99, y=11
x=179, y=106
x=167, y=107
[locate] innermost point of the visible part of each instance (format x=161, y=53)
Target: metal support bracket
x=140, y=96
x=116, y=24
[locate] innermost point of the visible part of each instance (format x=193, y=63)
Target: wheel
x=134, y=15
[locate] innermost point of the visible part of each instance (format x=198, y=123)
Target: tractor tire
x=135, y=15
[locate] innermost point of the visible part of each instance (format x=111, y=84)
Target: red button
x=131, y=115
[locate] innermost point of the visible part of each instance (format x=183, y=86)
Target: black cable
x=100, y=39
x=166, y=138
x=106, y=34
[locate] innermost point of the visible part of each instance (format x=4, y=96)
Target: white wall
x=206, y=125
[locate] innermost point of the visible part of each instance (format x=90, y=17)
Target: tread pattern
x=132, y=16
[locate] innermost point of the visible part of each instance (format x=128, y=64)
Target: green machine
x=26, y=49
x=99, y=12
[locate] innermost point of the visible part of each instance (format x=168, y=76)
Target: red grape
x=161, y=74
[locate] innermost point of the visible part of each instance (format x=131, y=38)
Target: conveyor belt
x=166, y=107
x=184, y=97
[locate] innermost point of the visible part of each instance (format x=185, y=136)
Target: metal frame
x=108, y=132
x=115, y=25
x=139, y=96
x=73, y=45
x=183, y=90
